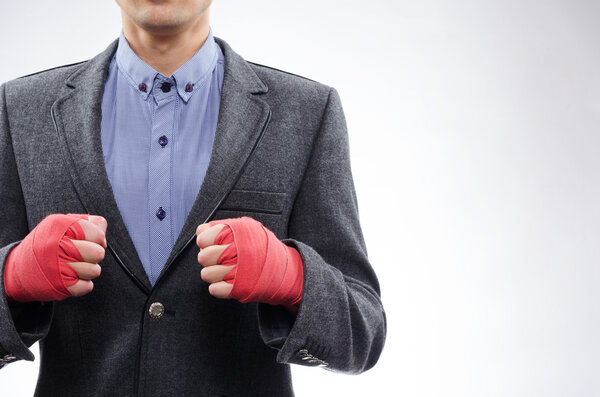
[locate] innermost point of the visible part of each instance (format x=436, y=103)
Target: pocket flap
x=254, y=201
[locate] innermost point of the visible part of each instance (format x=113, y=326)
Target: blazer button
x=156, y=310
x=304, y=353
x=7, y=359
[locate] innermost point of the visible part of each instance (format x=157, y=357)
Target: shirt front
x=157, y=135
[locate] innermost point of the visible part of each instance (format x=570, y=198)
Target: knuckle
x=202, y=241
x=95, y=252
x=101, y=253
x=204, y=255
x=212, y=289
x=96, y=271
x=204, y=275
x=101, y=223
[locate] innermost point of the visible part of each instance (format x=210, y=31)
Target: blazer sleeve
x=31, y=321
x=341, y=323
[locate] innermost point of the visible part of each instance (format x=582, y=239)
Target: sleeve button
x=8, y=358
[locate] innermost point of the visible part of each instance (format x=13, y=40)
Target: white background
x=474, y=137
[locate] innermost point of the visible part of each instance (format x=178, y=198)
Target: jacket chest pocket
x=265, y=207
x=255, y=201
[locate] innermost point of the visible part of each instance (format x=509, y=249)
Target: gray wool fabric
x=280, y=156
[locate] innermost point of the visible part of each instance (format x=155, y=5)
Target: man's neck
x=166, y=51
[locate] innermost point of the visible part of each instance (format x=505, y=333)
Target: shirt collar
x=188, y=79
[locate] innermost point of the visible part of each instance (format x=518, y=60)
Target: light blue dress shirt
x=157, y=136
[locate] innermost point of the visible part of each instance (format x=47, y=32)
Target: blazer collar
x=243, y=115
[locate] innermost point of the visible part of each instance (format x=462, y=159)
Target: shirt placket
x=160, y=176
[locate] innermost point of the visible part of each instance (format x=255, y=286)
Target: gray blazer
x=280, y=156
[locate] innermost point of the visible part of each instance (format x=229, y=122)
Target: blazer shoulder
x=282, y=73
x=42, y=82
x=51, y=81
x=291, y=90
x=55, y=70
x=277, y=79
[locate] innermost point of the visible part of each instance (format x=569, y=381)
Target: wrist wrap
x=267, y=270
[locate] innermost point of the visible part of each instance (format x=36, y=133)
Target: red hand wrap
x=267, y=270
x=36, y=269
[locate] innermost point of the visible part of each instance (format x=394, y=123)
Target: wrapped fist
x=244, y=260
x=57, y=259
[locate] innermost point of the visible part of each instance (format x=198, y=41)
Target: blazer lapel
x=77, y=118
x=243, y=115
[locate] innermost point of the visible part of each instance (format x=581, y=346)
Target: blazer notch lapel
x=77, y=117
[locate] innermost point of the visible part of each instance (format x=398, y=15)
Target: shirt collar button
x=165, y=87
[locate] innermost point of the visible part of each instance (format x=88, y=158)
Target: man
x=217, y=197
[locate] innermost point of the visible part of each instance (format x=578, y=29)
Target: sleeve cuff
x=18, y=334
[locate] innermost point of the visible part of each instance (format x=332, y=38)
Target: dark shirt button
x=163, y=141
x=189, y=87
x=142, y=87
x=165, y=87
x=160, y=214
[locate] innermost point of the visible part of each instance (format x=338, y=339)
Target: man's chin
x=164, y=18
x=161, y=28
x=162, y=22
